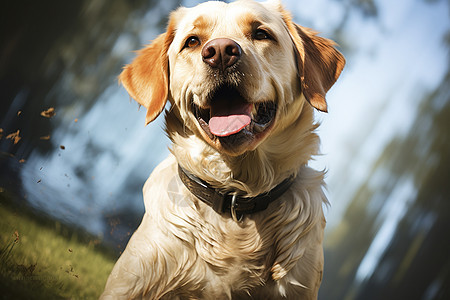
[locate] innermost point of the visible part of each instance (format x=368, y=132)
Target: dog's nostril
x=233, y=50
x=208, y=52
x=221, y=53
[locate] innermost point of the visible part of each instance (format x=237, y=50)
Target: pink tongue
x=228, y=118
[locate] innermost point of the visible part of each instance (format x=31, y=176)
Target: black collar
x=237, y=205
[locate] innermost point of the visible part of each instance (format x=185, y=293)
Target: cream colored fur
x=185, y=250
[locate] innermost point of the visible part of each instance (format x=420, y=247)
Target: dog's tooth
x=254, y=111
x=205, y=127
x=250, y=126
x=257, y=128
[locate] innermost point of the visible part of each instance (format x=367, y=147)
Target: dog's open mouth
x=232, y=119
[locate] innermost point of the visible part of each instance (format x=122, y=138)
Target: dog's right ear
x=147, y=78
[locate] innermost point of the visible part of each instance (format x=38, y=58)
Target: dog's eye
x=261, y=34
x=192, y=42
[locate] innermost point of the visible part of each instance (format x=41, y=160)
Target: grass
x=42, y=259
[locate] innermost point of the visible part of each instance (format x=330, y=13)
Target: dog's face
x=235, y=72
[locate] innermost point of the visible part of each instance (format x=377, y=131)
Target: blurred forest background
x=385, y=141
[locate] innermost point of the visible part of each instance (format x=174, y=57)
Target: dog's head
x=234, y=72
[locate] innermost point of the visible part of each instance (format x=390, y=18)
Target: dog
x=234, y=212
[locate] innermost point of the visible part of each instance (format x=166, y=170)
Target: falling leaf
x=62, y=147
x=70, y=250
x=1, y=133
x=48, y=113
x=39, y=181
x=19, y=113
x=45, y=138
x=14, y=136
x=16, y=237
x=76, y=120
x=22, y=161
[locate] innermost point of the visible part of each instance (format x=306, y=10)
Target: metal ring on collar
x=234, y=214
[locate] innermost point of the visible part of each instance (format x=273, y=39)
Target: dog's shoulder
x=157, y=183
x=161, y=173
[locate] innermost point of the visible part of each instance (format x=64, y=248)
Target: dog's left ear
x=147, y=78
x=319, y=64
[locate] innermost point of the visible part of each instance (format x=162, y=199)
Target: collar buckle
x=237, y=217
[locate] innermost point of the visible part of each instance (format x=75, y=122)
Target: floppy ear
x=147, y=78
x=319, y=63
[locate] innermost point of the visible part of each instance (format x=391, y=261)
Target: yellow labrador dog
x=234, y=212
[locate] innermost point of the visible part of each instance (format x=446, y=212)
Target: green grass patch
x=46, y=260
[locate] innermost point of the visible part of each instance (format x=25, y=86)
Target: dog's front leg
x=134, y=267
x=148, y=268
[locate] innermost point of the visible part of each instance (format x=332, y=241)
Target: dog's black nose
x=221, y=53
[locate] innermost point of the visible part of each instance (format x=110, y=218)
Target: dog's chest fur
x=197, y=241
